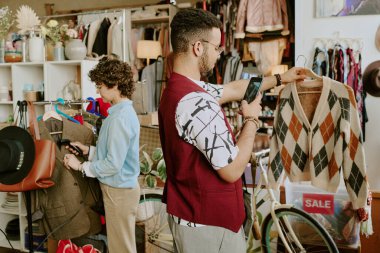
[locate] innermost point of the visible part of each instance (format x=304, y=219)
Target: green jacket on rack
x=66, y=207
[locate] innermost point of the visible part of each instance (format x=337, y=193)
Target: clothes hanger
x=51, y=114
x=310, y=73
x=93, y=107
x=317, y=80
x=62, y=102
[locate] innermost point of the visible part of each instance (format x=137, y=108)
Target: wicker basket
x=149, y=138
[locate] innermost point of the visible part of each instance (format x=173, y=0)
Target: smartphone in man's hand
x=253, y=89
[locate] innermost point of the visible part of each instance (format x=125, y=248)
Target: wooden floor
x=5, y=250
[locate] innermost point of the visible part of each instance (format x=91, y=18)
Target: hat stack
x=13, y=230
x=17, y=153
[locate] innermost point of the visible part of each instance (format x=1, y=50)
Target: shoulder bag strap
x=33, y=122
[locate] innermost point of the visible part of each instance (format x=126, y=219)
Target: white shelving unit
x=54, y=76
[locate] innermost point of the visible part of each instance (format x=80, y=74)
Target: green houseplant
x=153, y=168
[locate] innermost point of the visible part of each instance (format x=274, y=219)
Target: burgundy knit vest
x=193, y=189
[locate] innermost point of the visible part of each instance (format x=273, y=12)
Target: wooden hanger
x=310, y=73
x=51, y=114
x=54, y=115
x=319, y=82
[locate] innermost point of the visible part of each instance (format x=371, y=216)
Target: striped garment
x=319, y=151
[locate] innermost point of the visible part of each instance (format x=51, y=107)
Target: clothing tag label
x=318, y=203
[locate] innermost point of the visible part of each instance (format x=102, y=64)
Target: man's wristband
x=278, y=79
x=257, y=123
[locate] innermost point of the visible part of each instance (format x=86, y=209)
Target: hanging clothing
x=267, y=54
x=354, y=80
x=100, y=43
x=321, y=62
x=319, y=150
x=343, y=65
x=233, y=70
x=92, y=32
x=66, y=207
x=259, y=16
x=153, y=83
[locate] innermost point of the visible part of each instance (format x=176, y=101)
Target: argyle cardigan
x=319, y=151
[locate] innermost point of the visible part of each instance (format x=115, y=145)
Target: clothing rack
x=122, y=13
x=111, y=11
x=64, y=102
x=326, y=43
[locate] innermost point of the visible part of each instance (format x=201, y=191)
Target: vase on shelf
x=75, y=49
x=2, y=49
x=59, y=52
x=36, y=47
x=49, y=51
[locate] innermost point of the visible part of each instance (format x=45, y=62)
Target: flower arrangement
x=57, y=33
x=27, y=19
x=52, y=31
x=153, y=167
x=71, y=33
x=6, y=21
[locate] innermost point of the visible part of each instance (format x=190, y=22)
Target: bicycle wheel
x=152, y=231
x=311, y=235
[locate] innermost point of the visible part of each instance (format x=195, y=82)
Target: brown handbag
x=40, y=175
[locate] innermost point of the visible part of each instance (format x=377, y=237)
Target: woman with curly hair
x=115, y=160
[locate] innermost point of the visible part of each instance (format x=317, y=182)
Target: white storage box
x=332, y=210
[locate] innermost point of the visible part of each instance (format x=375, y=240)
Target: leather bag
x=40, y=175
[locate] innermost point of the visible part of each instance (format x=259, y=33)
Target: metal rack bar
x=66, y=102
x=83, y=13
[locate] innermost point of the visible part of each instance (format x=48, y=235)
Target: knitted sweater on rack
x=319, y=151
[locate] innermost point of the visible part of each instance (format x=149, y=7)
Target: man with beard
x=203, y=190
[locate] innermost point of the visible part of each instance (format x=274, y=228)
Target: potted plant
x=153, y=168
x=6, y=21
x=54, y=35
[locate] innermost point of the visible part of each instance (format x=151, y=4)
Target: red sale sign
x=318, y=203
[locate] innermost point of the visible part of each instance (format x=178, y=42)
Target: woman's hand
x=85, y=149
x=293, y=74
x=71, y=162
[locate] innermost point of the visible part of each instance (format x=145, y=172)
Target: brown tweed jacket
x=66, y=207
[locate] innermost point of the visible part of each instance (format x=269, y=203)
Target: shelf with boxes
x=46, y=81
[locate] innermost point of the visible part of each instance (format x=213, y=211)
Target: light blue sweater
x=116, y=161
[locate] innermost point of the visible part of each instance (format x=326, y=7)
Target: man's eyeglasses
x=218, y=48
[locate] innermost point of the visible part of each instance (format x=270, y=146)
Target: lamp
x=279, y=69
x=148, y=49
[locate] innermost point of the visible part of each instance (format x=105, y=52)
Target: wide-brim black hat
x=371, y=79
x=17, y=153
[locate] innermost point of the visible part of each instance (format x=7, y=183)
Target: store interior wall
x=360, y=26
x=66, y=5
